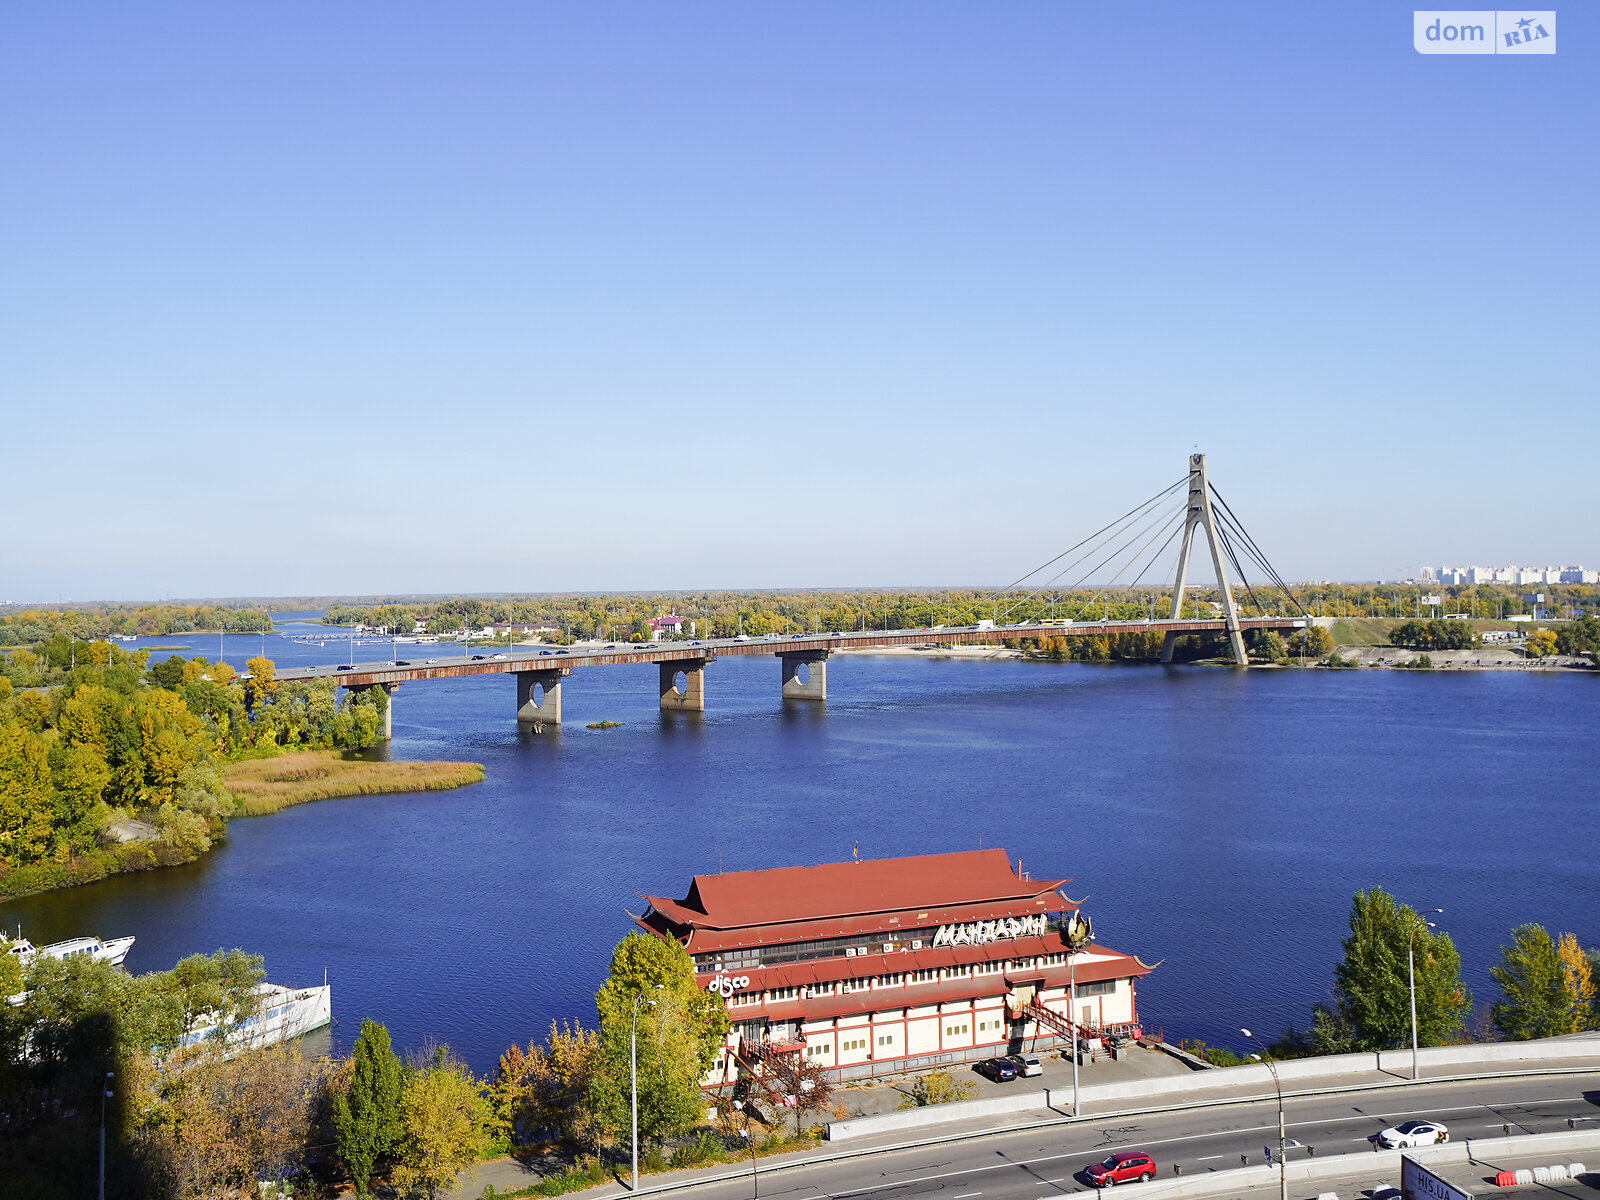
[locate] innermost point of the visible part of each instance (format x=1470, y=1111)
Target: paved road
x=422, y=664
x=1044, y=1161
x=1035, y=1163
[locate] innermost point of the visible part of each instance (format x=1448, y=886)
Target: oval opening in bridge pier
x=680, y=683
x=802, y=674
x=537, y=695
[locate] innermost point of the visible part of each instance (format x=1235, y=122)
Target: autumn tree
x=1579, y=978
x=224, y=1122
x=545, y=1090
x=680, y=1036
x=366, y=1118
x=445, y=1124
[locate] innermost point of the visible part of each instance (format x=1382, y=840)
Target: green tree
x=1372, y=1006
x=445, y=1125
x=1541, y=986
x=366, y=1119
x=680, y=1037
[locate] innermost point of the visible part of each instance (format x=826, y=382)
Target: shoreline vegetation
x=263, y=786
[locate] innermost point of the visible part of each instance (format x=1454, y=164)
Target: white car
x=1413, y=1133
x=1026, y=1064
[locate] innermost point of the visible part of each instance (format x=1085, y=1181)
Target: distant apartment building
x=1458, y=576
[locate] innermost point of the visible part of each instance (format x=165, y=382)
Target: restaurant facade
x=873, y=967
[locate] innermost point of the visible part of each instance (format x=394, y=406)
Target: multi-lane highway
x=423, y=661
x=1044, y=1161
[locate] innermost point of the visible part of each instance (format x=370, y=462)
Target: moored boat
x=281, y=1013
x=112, y=950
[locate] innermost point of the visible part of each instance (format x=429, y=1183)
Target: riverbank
x=265, y=785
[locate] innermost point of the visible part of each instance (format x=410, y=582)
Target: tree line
x=1547, y=987
x=116, y=768
x=188, y=1120
x=31, y=626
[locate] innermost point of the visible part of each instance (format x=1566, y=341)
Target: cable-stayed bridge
x=1129, y=547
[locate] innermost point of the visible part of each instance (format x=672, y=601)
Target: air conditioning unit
x=916, y=943
x=888, y=946
x=849, y=951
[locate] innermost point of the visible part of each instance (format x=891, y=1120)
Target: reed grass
x=263, y=786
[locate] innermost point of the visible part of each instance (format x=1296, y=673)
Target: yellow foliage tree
x=1579, y=981
x=1541, y=642
x=446, y=1123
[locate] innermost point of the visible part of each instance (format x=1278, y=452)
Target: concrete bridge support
x=816, y=685
x=693, y=696
x=1200, y=517
x=386, y=730
x=547, y=709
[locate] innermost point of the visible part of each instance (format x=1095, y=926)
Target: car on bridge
x=1121, y=1168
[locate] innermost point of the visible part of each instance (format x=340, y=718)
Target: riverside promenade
x=1206, y=1102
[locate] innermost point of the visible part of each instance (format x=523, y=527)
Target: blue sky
x=527, y=297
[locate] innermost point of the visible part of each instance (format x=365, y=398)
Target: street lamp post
x=105, y=1094
x=1283, y=1176
x=1411, y=972
x=633, y=1076
x=1077, y=933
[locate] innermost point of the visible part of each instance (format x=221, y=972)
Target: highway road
x=423, y=661
x=1037, y=1163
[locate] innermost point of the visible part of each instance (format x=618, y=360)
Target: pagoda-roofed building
x=871, y=967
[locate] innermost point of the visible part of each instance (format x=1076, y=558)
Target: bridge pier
x=547, y=709
x=816, y=685
x=386, y=730
x=1200, y=517
x=693, y=696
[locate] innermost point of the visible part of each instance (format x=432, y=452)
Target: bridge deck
x=367, y=674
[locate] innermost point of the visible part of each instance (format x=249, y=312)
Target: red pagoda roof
x=837, y=898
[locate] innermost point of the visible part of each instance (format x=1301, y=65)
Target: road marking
x=1208, y=1157
x=966, y=1196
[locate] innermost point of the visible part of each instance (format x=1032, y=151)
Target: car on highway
x=430, y=662
x=346, y=667
x=1413, y=1133
x=1121, y=1168
x=1001, y=1070
x=741, y=637
x=401, y=662
x=1026, y=1064
x=544, y=652
x=479, y=657
x=497, y=656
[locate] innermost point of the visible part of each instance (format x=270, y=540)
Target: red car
x=1120, y=1168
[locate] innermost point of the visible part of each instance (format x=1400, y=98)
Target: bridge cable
x=1255, y=550
x=1227, y=546
x=1257, y=553
x=1161, y=519
x=1175, y=515
x=1131, y=513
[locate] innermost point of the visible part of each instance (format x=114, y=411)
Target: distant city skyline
x=365, y=301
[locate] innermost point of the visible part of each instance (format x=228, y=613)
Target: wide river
x=1217, y=822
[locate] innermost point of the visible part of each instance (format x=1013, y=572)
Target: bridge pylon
x=1200, y=516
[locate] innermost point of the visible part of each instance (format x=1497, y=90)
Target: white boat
x=112, y=951
x=282, y=1013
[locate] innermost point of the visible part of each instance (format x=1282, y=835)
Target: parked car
x=1413, y=1133
x=1120, y=1168
x=1001, y=1070
x=1026, y=1064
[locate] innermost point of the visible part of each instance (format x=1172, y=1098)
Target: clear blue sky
x=308, y=298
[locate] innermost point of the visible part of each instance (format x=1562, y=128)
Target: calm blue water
x=1217, y=821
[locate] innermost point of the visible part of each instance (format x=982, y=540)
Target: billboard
x=1419, y=1183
